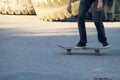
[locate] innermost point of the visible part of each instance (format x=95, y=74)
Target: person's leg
x=83, y=8
x=99, y=24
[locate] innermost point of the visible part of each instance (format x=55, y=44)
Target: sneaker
x=80, y=45
x=105, y=45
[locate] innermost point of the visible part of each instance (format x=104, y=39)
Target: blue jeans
x=83, y=8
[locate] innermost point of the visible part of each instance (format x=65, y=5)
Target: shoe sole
x=106, y=46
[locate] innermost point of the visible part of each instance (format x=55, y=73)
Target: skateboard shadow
x=84, y=54
x=93, y=54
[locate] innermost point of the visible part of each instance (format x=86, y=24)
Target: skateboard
x=69, y=49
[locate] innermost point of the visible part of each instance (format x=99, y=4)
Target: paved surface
x=28, y=51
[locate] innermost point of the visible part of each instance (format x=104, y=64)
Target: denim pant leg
x=83, y=8
x=99, y=23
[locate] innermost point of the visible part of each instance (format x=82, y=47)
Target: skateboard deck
x=69, y=49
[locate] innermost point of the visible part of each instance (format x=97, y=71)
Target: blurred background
x=55, y=10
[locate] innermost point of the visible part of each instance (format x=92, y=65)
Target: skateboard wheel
x=68, y=51
x=97, y=51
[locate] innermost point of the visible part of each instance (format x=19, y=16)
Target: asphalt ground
x=28, y=51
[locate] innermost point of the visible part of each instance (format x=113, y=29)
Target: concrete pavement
x=28, y=51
